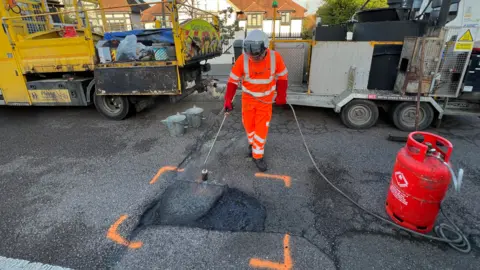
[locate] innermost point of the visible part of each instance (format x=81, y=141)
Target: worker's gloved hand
x=281, y=98
x=229, y=94
x=228, y=106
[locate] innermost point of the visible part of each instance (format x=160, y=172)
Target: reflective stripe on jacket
x=259, y=78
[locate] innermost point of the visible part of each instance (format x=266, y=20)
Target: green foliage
x=307, y=34
x=227, y=31
x=69, y=19
x=308, y=24
x=340, y=11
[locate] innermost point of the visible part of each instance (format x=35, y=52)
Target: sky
x=312, y=5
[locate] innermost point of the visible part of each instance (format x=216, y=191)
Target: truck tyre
x=404, y=114
x=113, y=107
x=360, y=114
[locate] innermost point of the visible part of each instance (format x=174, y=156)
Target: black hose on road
x=460, y=242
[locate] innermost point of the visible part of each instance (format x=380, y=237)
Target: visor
x=256, y=50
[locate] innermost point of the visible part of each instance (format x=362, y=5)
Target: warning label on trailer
x=398, y=194
x=465, y=42
x=50, y=96
x=463, y=46
x=467, y=36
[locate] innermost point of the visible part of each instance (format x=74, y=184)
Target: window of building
x=119, y=21
x=285, y=17
x=94, y=16
x=254, y=20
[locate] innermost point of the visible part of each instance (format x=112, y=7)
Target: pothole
x=206, y=206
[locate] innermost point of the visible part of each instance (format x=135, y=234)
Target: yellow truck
x=55, y=58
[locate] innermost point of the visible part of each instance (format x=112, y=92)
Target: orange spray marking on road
x=285, y=178
x=162, y=171
x=287, y=259
x=113, y=235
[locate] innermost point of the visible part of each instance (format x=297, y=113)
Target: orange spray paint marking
x=287, y=259
x=163, y=170
x=285, y=178
x=113, y=235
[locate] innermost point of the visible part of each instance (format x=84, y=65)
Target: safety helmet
x=255, y=45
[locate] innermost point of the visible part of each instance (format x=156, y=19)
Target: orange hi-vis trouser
x=256, y=117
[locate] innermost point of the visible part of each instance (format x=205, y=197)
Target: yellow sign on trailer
x=465, y=42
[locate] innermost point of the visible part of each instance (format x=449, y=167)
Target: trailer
x=47, y=59
x=417, y=62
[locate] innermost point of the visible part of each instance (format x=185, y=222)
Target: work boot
x=250, y=151
x=261, y=164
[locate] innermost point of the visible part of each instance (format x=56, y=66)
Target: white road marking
x=14, y=264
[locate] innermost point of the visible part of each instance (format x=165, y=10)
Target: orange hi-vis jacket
x=259, y=78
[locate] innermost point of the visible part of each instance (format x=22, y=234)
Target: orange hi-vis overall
x=258, y=84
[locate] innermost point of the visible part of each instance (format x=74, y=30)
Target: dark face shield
x=256, y=50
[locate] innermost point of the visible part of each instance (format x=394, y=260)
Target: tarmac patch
x=206, y=206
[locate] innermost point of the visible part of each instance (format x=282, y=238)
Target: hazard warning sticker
x=467, y=36
x=464, y=42
x=401, y=179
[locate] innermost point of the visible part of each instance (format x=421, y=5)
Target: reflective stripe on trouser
x=256, y=118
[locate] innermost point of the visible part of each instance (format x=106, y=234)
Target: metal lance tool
x=205, y=170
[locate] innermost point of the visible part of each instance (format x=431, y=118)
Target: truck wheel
x=360, y=114
x=404, y=115
x=113, y=107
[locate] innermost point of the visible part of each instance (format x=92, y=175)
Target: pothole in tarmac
x=206, y=206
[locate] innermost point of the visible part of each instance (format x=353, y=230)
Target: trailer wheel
x=113, y=107
x=404, y=115
x=360, y=114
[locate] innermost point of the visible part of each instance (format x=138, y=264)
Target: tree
x=227, y=31
x=308, y=24
x=340, y=11
x=189, y=8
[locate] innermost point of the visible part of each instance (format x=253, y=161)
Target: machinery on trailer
x=68, y=58
x=391, y=58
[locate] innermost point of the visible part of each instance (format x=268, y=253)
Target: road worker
x=263, y=74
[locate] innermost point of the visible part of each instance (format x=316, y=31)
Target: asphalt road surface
x=80, y=191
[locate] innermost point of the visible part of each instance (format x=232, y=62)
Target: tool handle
x=215, y=139
x=225, y=114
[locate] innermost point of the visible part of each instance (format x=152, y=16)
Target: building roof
x=286, y=7
x=254, y=7
x=118, y=3
x=156, y=10
x=298, y=11
x=149, y=14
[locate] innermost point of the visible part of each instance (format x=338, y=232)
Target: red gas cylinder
x=420, y=180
